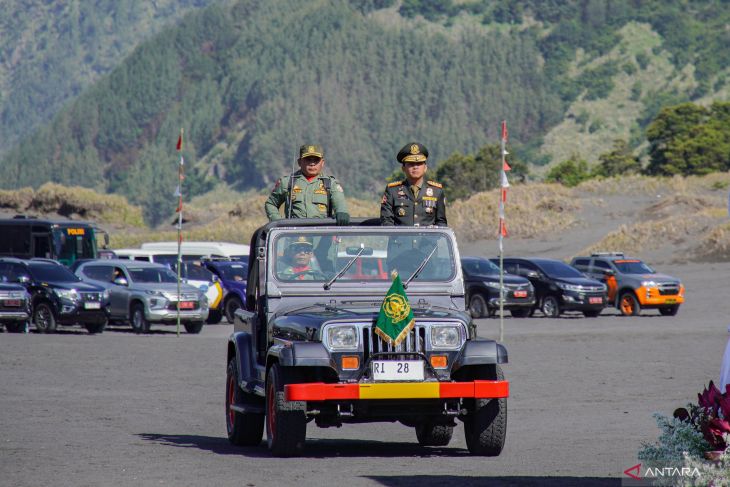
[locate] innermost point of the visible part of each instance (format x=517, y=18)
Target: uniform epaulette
x=393, y=185
x=434, y=183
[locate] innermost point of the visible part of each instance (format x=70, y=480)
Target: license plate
x=595, y=300
x=92, y=305
x=187, y=305
x=668, y=301
x=397, y=369
x=520, y=294
x=12, y=302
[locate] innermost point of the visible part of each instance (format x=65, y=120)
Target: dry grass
x=530, y=210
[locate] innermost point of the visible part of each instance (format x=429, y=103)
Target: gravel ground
x=120, y=409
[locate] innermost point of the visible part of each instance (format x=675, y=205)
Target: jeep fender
x=481, y=352
x=240, y=345
x=301, y=354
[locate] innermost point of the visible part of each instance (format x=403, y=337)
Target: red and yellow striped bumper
x=319, y=391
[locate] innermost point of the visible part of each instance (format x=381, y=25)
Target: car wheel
x=139, y=322
x=17, y=327
x=214, y=317
x=430, y=434
x=629, y=305
x=95, y=328
x=591, y=313
x=550, y=307
x=193, y=327
x=669, y=310
x=231, y=306
x=520, y=313
x=477, y=306
x=286, y=421
x=244, y=428
x=45, y=321
x=485, y=426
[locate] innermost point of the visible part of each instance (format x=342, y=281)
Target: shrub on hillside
x=618, y=162
x=569, y=173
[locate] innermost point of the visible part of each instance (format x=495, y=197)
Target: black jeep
x=305, y=348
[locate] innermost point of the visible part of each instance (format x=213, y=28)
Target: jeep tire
x=43, y=317
x=430, y=434
x=286, y=421
x=550, y=306
x=244, y=428
x=485, y=426
x=138, y=321
x=628, y=304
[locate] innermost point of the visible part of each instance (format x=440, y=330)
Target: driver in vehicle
x=298, y=260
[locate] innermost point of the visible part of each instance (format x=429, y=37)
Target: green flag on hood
x=396, y=316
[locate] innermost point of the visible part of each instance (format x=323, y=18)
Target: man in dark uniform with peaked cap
x=414, y=201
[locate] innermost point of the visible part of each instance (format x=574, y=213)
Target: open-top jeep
x=305, y=348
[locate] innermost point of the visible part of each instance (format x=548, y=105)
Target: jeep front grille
x=414, y=342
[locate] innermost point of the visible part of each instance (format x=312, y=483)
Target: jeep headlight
x=445, y=336
x=343, y=337
x=70, y=294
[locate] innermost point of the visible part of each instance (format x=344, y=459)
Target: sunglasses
x=306, y=249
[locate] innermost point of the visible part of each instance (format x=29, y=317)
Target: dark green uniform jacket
x=400, y=207
x=309, y=198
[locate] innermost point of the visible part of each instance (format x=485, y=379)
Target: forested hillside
x=251, y=81
x=52, y=50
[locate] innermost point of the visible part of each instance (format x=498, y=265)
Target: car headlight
x=105, y=295
x=491, y=284
x=342, y=338
x=569, y=287
x=447, y=336
x=648, y=284
x=70, y=294
x=159, y=294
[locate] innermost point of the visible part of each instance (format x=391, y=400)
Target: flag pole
x=180, y=177
x=504, y=184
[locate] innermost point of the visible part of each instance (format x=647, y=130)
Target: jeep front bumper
x=320, y=391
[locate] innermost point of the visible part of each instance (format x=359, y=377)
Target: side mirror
x=609, y=273
x=121, y=281
x=23, y=279
x=532, y=275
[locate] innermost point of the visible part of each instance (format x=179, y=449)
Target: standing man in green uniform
x=413, y=201
x=308, y=193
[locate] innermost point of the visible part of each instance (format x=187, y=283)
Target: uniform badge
x=429, y=192
x=401, y=192
x=401, y=211
x=296, y=189
x=429, y=209
x=414, y=149
x=310, y=148
x=322, y=207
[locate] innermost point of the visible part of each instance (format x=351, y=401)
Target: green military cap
x=413, y=152
x=311, y=151
x=301, y=243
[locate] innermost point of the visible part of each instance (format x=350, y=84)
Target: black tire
x=214, y=317
x=17, y=327
x=592, y=313
x=232, y=304
x=43, y=318
x=138, y=321
x=286, y=421
x=95, y=328
x=629, y=305
x=193, y=327
x=485, y=426
x=520, y=312
x=550, y=306
x=477, y=306
x=669, y=310
x=430, y=434
x=244, y=429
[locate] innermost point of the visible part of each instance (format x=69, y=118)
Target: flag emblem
x=395, y=319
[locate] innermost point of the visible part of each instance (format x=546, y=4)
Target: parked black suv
x=481, y=277
x=560, y=287
x=14, y=307
x=58, y=297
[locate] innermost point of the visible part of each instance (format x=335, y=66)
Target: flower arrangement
x=695, y=438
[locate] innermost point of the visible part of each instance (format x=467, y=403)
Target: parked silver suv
x=142, y=293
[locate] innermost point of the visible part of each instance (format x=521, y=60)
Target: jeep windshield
x=320, y=255
x=632, y=267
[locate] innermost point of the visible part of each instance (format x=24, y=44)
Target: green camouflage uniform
x=309, y=198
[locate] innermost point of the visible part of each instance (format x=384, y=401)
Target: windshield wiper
x=329, y=283
x=420, y=267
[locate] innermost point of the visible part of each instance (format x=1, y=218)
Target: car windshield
x=319, y=255
x=233, y=271
x=147, y=275
x=52, y=272
x=480, y=267
x=196, y=273
x=559, y=269
x=632, y=267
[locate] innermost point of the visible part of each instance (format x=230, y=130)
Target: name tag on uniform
x=429, y=198
x=297, y=189
x=320, y=191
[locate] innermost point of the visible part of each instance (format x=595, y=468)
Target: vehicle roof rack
x=607, y=254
